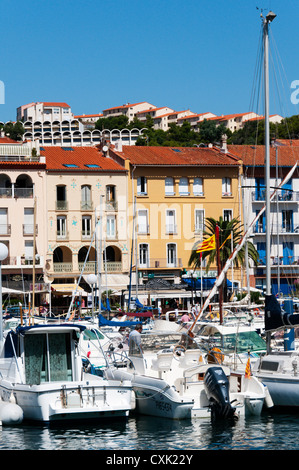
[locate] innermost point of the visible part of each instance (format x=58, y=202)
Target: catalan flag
x=230, y=236
x=248, y=369
x=207, y=245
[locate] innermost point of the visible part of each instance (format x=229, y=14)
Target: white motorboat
x=41, y=367
x=170, y=380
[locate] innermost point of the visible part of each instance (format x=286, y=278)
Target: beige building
x=22, y=213
x=86, y=214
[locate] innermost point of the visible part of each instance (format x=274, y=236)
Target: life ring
x=256, y=311
x=215, y=356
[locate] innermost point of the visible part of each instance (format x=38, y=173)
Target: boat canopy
x=207, y=282
x=104, y=322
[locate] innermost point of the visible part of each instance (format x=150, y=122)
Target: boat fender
x=10, y=413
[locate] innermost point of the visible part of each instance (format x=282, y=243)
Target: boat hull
x=284, y=391
x=71, y=401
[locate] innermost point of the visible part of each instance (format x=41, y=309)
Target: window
x=111, y=226
x=199, y=220
x=86, y=226
x=61, y=203
x=198, y=186
x=170, y=222
x=171, y=254
x=28, y=221
x=29, y=250
x=226, y=186
x=183, y=186
x=61, y=226
x=3, y=222
x=141, y=185
x=143, y=255
x=169, y=186
x=86, y=197
x=227, y=215
x=143, y=221
x=287, y=221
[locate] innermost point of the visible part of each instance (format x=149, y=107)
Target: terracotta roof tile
x=182, y=156
x=60, y=158
x=254, y=155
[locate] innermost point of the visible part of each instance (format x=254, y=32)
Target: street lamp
x=92, y=280
x=3, y=256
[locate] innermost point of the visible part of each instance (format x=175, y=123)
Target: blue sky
x=190, y=54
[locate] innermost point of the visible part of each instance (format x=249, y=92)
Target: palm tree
x=228, y=230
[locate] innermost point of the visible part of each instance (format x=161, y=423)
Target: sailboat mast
x=269, y=18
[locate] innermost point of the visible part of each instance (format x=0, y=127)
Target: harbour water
x=270, y=431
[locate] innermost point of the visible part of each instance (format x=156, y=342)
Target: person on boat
x=135, y=347
x=185, y=318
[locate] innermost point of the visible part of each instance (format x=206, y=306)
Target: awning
x=67, y=289
x=115, y=281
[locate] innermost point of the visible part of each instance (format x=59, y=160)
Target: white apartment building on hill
x=44, y=111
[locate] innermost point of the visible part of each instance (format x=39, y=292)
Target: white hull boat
x=171, y=381
x=42, y=369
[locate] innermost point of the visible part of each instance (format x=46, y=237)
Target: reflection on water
x=269, y=431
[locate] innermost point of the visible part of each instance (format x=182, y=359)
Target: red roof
x=59, y=158
x=254, y=155
x=182, y=156
x=59, y=105
x=7, y=140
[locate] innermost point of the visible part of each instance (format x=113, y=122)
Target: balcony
x=110, y=266
x=171, y=229
x=143, y=229
x=61, y=205
x=280, y=229
x=283, y=196
x=86, y=205
x=160, y=263
x=5, y=229
x=63, y=267
x=111, y=206
x=28, y=229
x=62, y=235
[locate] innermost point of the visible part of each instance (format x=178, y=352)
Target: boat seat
x=163, y=361
x=191, y=357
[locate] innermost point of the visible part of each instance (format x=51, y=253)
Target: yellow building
x=174, y=190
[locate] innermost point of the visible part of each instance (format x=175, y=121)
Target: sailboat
x=278, y=370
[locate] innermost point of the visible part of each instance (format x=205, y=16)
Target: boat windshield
x=240, y=343
x=156, y=342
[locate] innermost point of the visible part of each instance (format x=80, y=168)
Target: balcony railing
x=5, y=229
x=283, y=196
x=143, y=229
x=280, y=228
x=110, y=266
x=276, y=261
x=63, y=267
x=86, y=205
x=28, y=229
x=62, y=235
x=160, y=263
x=61, y=205
x=111, y=206
x=171, y=229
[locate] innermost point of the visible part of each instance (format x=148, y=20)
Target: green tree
x=14, y=131
x=230, y=232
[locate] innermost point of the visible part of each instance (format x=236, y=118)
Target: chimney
x=224, y=143
x=118, y=146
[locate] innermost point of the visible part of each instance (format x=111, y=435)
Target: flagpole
x=220, y=290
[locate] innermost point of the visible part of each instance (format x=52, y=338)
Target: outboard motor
x=217, y=389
